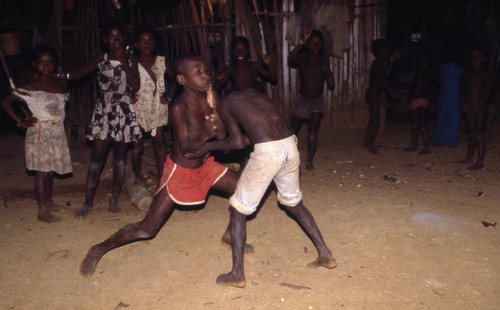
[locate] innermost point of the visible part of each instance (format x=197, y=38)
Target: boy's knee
x=148, y=231
x=312, y=136
x=246, y=210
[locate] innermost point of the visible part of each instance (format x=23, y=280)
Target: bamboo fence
x=207, y=28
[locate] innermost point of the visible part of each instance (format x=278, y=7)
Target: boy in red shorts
x=185, y=181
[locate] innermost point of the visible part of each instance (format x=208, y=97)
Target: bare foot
x=424, y=151
x=54, y=207
x=372, y=150
x=466, y=160
x=309, y=166
x=89, y=263
x=228, y=279
x=84, y=211
x=476, y=166
x=47, y=217
x=411, y=149
x=328, y=262
x=139, y=182
x=113, y=206
x=249, y=249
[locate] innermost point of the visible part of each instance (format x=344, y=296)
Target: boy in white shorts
x=275, y=158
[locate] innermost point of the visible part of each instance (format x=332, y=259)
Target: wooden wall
x=207, y=27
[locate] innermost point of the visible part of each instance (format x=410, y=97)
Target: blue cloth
x=448, y=115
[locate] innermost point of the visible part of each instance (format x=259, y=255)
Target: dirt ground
x=408, y=232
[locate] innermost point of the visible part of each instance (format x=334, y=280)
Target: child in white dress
x=46, y=145
x=151, y=100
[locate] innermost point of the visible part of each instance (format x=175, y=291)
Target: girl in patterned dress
x=150, y=103
x=46, y=146
x=114, y=123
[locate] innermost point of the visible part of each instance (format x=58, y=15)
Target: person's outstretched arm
x=267, y=70
x=24, y=121
x=328, y=74
x=82, y=71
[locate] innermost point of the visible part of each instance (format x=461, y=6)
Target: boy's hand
x=134, y=99
x=392, y=58
x=210, y=125
x=120, y=55
x=163, y=100
x=266, y=59
x=306, y=37
x=29, y=121
x=222, y=76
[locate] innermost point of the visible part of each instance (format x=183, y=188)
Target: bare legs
x=97, y=159
x=238, y=232
x=419, y=123
x=137, y=150
x=373, y=126
x=312, y=135
x=306, y=221
x=119, y=161
x=43, y=192
x=160, y=210
x=159, y=150
x=475, y=121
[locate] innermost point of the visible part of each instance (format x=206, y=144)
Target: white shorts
x=276, y=160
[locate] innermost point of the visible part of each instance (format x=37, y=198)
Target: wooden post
x=228, y=32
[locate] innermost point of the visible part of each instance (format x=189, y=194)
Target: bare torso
x=311, y=75
x=257, y=115
x=187, y=118
x=476, y=88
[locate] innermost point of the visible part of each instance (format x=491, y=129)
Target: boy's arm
x=268, y=71
x=328, y=74
x=463, y=102
x=487, y=87
x=132, y=72
x=83, y=71
x=169, y=76
x=222, y=78
x=235, y=140
x=23, y=122
x=294, y=56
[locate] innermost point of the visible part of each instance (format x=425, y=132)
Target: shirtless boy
x=378, y=84
x=475, y=91
x=275, y=158
x=243, y=73
x=309, y=58
x=185, y=181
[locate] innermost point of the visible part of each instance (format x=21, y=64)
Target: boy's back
x=256, y=113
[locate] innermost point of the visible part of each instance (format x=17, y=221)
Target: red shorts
x=419, y=103
x=190, y=186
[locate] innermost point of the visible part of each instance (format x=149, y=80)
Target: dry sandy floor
x=407, y=232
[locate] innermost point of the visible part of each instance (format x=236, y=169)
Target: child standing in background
x=309, y=57
x=420, y=90
x=475, y=91
x=378, y=84
x=243, y=73
x=114, y=122
x=46, y=145
x=150, y=103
